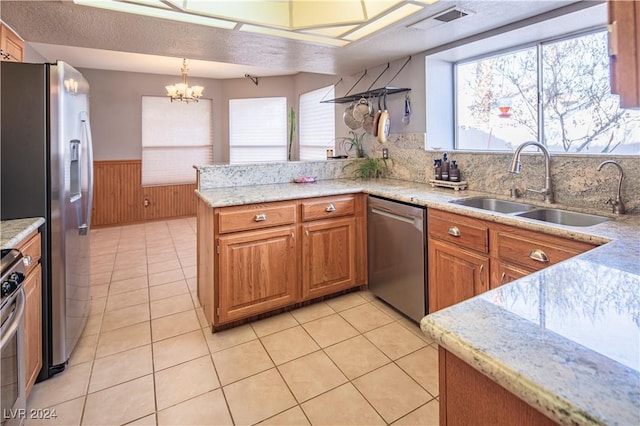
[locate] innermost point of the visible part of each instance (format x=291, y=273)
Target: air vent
x=451, y=15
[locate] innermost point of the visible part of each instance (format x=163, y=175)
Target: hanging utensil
x=361, y=110
x=384, y=123
x=367, y=121
x=376, y=118
x=406, y=118
x=348, y=118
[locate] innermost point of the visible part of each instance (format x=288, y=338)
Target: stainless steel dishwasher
x=396, y=255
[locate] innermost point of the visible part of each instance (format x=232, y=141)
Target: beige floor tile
x=288, y=344
x=97, y=305
x=427, y=415
x=241, y=361
x=164, y=291
x=123, y=339
x=101, y=278
x=105, y=259
x=188, y=261
x=386, y=308
x=365, y=317
x=163, y=266
x=207, y=409
x=93, y=324
x=347, y=407
x=311, y=375
x=99, y=290
x=274, y=324
x=124, y=317
x=174, y=325
x=130, y=298
x=189, y=271
x=414, y=327
x=70, y=384
x=166, y=277
x=395, y=340
x=128, y=271
x=149, y=420
x=66, y=414
x=121, y=367
x=120, y=404
x=274, y=397
x=85, y=350
x=392, y=392
x=101, y=268
x=292, y=417
x=311, y=312
x=367, y=295
x=176, y=350
x=346, y=301
x=172, y=305
x=185, y=381
x=329, y=330
x=356, y=356
x=202, y=319
x=422, y=365
x=128, y=285
x=193, y=284
x=225, y=339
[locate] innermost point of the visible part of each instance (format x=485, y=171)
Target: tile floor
x=147, y=358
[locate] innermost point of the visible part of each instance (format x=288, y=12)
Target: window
x=317, y=124
x=175, y=137
x=257, y=130
x=556, y=92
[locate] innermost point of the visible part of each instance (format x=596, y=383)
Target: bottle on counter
x=454, y=172
x=445, y=167
x=437, y=169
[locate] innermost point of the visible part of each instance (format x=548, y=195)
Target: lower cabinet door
x=505, y=273
x=257, y=272
x=33, y=326
x=328, y=257
x=454, y=275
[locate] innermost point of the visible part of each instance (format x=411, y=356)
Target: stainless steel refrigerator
x=47, y=170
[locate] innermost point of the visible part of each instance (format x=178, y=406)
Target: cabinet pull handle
x=260, y=217
x=539, y=256
x=293, y=237
x=306, y=232
x=26, y=261
x=504, y=274
x=481, y=275
x=454, y=231
x=330, y=208
x=613, y=38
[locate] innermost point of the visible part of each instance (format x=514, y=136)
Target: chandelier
x=182, y=91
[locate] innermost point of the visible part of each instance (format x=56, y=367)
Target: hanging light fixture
x=182, y=91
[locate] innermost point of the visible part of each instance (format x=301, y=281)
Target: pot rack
x=370, y=93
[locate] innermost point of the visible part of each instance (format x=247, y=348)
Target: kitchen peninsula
x=546, y=338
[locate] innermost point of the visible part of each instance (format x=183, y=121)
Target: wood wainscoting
x=119, y=197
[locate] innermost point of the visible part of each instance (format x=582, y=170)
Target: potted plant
x=371, y=167
x=353, y=141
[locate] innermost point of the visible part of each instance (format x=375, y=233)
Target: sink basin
x=494, y=205
x=563, y=217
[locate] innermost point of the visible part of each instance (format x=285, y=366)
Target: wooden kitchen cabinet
x=258, y=272
x=624, y=51
x=503, y=273
x=11, y=45
x=257, y=258
x=31, y=248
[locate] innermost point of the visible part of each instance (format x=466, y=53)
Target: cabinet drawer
x=536, y=251
x=32, y=247
x=255, y=216
x=328, y=207
x=459, y=230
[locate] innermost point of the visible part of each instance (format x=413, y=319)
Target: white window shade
x=257, y=130
x=317, y=124
x=175, y=137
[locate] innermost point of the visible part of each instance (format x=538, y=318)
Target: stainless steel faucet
x=617, y=206
x=516, y=165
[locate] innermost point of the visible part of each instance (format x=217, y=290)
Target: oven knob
x=18, y=277
x=8, y=287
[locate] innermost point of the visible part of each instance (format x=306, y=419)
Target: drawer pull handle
x=539, y=256
x=482, y=275
x=502, y=277
x=454, y=231
x=26, y=261
x=330, y=208
x=260, y=217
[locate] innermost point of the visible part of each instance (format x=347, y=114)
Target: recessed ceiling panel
x=320, y=13
x=271, y=13
x=376, y=7
x=331, y=31
x=293, y=35
x=384, y=21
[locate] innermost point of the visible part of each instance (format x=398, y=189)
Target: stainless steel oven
x=12, y=357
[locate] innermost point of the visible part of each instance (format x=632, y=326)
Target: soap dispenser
x=454, y=172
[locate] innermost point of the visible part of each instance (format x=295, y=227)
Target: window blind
x=317, y=123
x=175, y=137
x=257, y=130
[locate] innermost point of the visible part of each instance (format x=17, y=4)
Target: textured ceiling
x=66, y=24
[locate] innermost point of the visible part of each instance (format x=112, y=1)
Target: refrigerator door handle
x=84, y=227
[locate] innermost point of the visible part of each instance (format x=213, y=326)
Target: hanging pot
x=361, y=110
x=384, y=123
x=349, y=120
x=376, y=118
x=367, y=122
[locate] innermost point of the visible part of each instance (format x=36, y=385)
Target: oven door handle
x=13, y=322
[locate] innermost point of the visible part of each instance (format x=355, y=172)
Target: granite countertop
x=565, y=339
x=14, y=231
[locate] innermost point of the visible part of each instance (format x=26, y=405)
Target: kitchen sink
x=494, y=205
x=563, y=217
